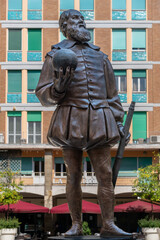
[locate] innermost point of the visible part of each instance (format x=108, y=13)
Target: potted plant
x=10, y=186
x=9, y=228
x=150, y=228
x=146, y=187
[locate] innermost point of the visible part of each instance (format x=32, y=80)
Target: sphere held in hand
x=64, y=58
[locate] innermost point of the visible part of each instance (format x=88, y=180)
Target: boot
x=101, y=161
x=73, y=161
x=75, y=230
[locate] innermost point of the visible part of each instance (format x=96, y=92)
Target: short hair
x=63, y=20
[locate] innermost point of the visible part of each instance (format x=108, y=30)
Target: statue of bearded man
x=88, y=117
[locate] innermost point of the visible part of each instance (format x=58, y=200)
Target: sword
x=121, y=147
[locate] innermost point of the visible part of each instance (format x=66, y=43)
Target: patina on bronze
x=88, y=117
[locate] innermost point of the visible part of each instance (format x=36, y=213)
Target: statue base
x=92, y=237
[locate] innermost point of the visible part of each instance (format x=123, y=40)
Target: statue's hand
x=121, y=132
x=62, y=82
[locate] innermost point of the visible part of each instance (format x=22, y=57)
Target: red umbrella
x=24, y=207
x=137, y=206
x=87, y=207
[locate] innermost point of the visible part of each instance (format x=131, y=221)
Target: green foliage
x=9, y=188
x=86, y=229
x=150, y=223
x=147, y=185
x=10, y=223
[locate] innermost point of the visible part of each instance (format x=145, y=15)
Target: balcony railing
x=14, y=55
x=34, y=56
x=34, y=14
x=87, y=14
x=119, y=55
x=14, y=14
x=139, y=55
x=139, y=97
x=119, y=15
x=138, y=14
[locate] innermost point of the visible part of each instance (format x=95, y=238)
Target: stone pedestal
x=92, y=237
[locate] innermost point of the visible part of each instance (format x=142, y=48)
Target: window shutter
x=34, y=39
x=118, y=4
x=119, y=39
x=144, y=161
x=138, y=38
x=139, y=73
x=120, y=72
x=14, y=81
x=34, y=4
x=138, y=5
x=14, y=114
x=66, y=4
x=14, y=4
x=139, y=125
x=87, y=5
x=58, y=160
x=33, y=78
x=26, y=164
x=34, y=116
x=14, y=39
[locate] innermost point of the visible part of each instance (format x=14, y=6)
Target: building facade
x=128, y=31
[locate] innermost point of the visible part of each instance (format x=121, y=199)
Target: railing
x=14, y=14
x=119, y=55
x=87, y=14
x=138, y=14
x=139, y=55
x=118, y=14
x=35, y=14
x=34, y=56
x=14, y=55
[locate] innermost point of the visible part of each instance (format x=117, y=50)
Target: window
x=87, y=9
x=14, y=81
x=33, y=78
x=60, y=168
x=34, y=127
x=139, y=125
x=121, y=81
x=118, y=10
x=119, y=45
x=14, y=86
x=34, y=9
x=65, y=5
x=139, y=80
x=14, y=127
x=34, y=45
x=14, y=45
x=138, y=44
x=38, y=166
x=26, y=166
x=14, y=9
x=138, y=10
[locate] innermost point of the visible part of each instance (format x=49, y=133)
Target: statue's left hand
x=121, y=132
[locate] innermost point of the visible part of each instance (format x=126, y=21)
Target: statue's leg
x=73, y=162
x=101, y=161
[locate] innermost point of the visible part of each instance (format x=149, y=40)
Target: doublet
x=91, y=99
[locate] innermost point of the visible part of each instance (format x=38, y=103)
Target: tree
x=147, y=185
x=10, y=188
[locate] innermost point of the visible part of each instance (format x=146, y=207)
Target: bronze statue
x=88, y=117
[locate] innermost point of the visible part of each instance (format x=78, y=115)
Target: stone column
x=48, y=161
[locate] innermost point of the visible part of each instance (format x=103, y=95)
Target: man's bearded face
x=76, y=28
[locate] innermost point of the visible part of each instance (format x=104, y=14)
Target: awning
x=87, y=207
x=137, y=206
x=24, y=207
